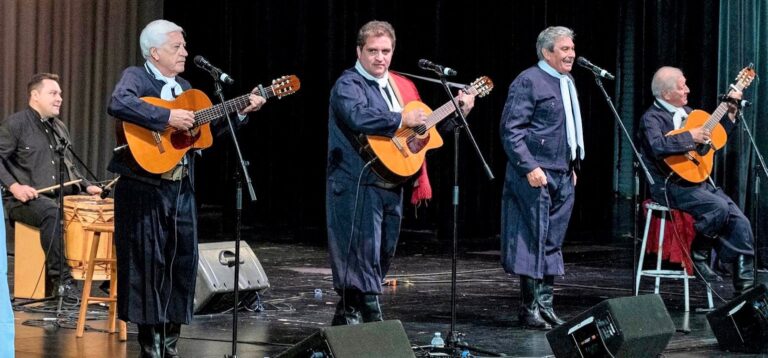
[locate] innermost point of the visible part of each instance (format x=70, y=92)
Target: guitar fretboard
x=439, y=114
x=714, y=119
x=204, y=116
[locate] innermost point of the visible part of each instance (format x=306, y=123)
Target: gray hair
x=547, y=38
x=155, y=34
x=665, y=79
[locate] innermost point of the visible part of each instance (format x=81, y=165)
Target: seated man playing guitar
x=665, y=146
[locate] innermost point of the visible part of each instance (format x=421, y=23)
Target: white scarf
x=572, y=110
x=383, y=82
x=171, y=89
x=679, y=112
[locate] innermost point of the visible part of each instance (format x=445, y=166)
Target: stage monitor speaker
x=636, y=326
x=214, y=290
x=374, y=340
x=741, y=325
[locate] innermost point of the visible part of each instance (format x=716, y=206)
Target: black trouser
x=715, y=215
x=43, y=213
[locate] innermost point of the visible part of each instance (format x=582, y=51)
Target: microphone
x=216, y=72
x=429, y=65
x=741, y=103
x=583, y=62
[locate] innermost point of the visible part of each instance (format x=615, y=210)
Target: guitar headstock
x=745, y=77
x=285, y=85
x=481, y=86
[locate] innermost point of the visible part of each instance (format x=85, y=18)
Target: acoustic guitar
x=696, y=165
x=158, y=152
x=401, y=156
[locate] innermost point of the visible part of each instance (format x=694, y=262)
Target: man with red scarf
x=363, y=210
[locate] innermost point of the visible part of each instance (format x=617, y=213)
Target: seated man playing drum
x=30, y=145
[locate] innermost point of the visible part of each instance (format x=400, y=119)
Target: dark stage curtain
x=88, y=43
x=286, y=142
x=743, y=34
x=654, y=34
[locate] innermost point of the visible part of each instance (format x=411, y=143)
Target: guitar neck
x=714, y=119
x=439, y=114
x=204, y=116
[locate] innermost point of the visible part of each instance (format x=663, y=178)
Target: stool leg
x=122, y=327
x=685, y=291
x=88, y=282
x=709, y=298
x=660, y=251
x=642, y=251
x=123, y=334
x=112, y=318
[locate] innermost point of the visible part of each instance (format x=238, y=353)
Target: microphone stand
x=453, y=338
x=639, y=162
x=756, y=192
x=241, y=173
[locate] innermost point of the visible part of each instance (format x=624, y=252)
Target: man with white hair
x=718, y=221
x=155, y=214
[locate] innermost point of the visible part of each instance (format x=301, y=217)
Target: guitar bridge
x=691, y=158
x=396, y=141
x=158, y=141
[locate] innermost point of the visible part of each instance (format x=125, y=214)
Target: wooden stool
x=93, y=233
x=29, y=274
x=658, y=273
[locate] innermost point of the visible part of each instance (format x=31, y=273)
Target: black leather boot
x=149, y=341
x=370, y=308
x=348, y=309
x=169, y=337
x=701, y=255
x=546, y=296
x=743, y=274
x=529, y=314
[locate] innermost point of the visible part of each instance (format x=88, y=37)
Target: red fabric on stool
x=677, y=232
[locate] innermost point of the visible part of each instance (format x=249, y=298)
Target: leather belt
x=385, y=185
x=177, y=173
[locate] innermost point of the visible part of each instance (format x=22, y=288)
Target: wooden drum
x=82, y=210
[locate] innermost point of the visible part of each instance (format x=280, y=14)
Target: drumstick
x=43, y=190
x=107, y=188
x=109, y=185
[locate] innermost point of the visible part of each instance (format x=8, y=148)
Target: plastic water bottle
x=437, y=341
x=318, y=294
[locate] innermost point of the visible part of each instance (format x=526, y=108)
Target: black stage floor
x=486, y=312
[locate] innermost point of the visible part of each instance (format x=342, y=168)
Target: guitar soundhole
x=184, y=139
x=703, y=148
x=416, y=144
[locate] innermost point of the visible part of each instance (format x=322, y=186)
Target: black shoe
x=149, y=341
x=701, y=255
x=743, y=274
x=169, y=337
x=529, y=313
x=68, y=291
x=104, y=287
x=348, y=309
x=546, y=296
x=370, y=309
